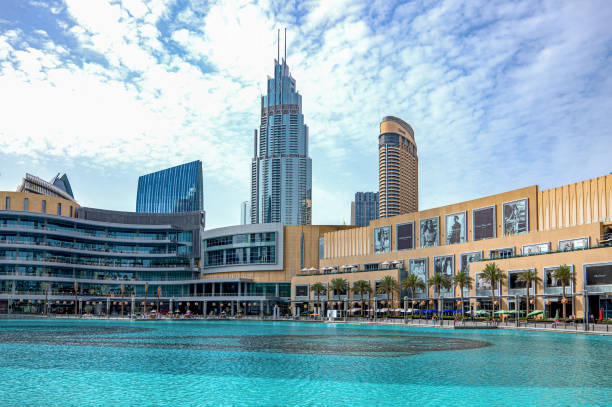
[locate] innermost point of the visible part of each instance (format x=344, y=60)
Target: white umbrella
x=312, y=269
x=385, y=263
x=304, y=269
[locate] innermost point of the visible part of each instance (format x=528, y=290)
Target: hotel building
x=527, y=228
x=398, y=168
x=281, y=170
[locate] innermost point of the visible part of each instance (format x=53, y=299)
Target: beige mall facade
x=522, y=229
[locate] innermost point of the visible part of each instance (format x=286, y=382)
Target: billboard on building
x=430, y=232
x=456, y=228
x=467, y=258
x=516, y=217
x=574, y=244
x=382, y=239
x=551, y=281
x=444, y=265
x=483, y=220
x=536, y=248
x=405, y=236
x=598, y=274
x=481, y=282
x=418, y=267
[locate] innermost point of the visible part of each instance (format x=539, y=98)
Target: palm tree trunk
x=412, y=303
x=493, y=300
x=527, y=305
x=564, y=315
x=461, y=299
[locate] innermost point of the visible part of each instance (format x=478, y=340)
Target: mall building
x=527, y=228
x=58, y=257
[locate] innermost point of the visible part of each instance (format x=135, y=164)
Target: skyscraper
x=175, y=189
x=364, y=208
x=398, y=168
x=281, y=171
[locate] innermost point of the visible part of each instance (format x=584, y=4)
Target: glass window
x=301, y=290
x=321, y=248
x=501, y=253
x=44, y=206
x=8, y=203
x=59, y=209
x=71, y=211
x=26, y=204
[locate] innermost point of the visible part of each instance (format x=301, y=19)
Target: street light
x=405, y=308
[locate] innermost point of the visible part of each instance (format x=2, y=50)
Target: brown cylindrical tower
x=398, y=168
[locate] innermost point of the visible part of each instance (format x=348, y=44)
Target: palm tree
x=529, y=277
x=412, y=283
x=386, y=286
x=494, y=276
x=463, y=279
x=440, y=281
x=340, y=286
x=361, y=287
x=318, y=289
x=564, y=274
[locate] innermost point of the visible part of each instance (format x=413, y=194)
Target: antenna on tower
x=285, y=44
x=278, y=47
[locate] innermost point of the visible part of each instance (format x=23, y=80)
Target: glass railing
x=96, y=276
x=147, y=237
x=94, y=263
x=91, y=249
x=316, y=273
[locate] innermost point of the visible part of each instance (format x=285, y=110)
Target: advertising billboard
x=483, y=220
x=405, y=236
x=456, y=228
x=516, y=217
x=418, y=267
x=430, y=232
x=382, y=239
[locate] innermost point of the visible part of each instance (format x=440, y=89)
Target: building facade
x=398, y=168
x=109, y=262
x=281, y=170
x=364, y=208
x=175, y=189
x=524, y=229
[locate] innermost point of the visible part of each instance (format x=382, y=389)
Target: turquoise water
x=218, y=363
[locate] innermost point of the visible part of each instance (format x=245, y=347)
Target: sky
x=501, y=95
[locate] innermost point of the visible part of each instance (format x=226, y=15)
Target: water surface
x=81, y=363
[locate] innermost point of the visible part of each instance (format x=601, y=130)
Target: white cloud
x=490, y=89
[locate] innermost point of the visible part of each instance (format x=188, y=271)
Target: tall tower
x=398, y=168
x=281, y=171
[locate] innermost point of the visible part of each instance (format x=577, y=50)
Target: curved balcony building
x=398, y=168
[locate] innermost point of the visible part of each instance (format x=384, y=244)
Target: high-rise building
x=281, y=171
x=244, y=211
x=364, y=208
x=175, y=189
x=398, y=168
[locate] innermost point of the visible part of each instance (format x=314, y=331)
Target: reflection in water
x=340, y=345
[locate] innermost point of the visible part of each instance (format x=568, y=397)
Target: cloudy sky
x=501, y=95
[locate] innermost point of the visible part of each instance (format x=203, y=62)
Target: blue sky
x=501, y=95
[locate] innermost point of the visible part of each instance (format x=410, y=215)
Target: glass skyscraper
x=175, y=189
x=364, y=208
x=281, y=171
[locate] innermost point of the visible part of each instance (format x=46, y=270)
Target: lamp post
x=405, y=309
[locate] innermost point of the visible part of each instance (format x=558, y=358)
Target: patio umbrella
x=600, y=314
x=534, y=313
x=502, y=312
x=557, y=315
